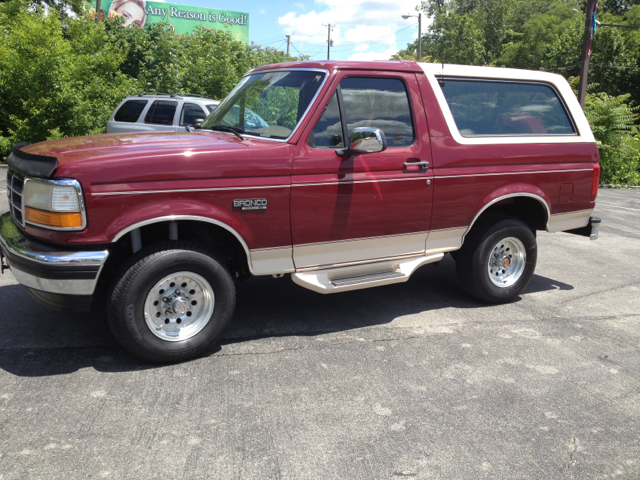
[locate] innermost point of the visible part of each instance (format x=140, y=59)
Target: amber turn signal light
x=51, y=219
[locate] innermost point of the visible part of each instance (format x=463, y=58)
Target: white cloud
x=263, y=11
x=360, y=25
x=370, y=56
x=299, y=5
x=363, y=34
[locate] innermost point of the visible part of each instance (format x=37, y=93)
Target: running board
x=344, y=279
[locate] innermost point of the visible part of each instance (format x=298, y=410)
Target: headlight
x=54, y=204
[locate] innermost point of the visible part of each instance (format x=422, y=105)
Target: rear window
x=161, y=112
x=130, y=111
x=483, y=108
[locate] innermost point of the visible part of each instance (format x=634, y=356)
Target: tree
x=63, y=76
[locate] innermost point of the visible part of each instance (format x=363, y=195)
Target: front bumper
x=47, y=269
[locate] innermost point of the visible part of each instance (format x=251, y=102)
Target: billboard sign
x=182, y=18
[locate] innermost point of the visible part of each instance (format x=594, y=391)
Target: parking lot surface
x=412, y=381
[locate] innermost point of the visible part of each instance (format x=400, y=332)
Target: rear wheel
x=497, y=260
x=171, y=302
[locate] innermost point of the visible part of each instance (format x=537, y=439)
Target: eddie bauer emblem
x=251, y=204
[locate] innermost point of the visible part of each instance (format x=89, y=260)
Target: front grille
x=15, y=182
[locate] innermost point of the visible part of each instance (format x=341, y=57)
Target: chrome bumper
x=591, y=230
x=42, y=267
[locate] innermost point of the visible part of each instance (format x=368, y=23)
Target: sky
x=364, y=29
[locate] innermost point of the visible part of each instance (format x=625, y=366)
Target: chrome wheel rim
x=506, y=262
x=179, y=306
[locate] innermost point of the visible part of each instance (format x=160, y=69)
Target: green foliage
x=612, y=122
x=55, y=81
x=62, y=76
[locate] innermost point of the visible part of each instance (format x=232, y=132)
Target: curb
x=620, y=187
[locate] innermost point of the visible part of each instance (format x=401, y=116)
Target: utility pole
x=329, y=42
x=98, y=9
x=288, y=42
x=592, y=5
x=420, y=36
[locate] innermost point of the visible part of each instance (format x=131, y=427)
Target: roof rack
x=193, y=95
x=172, y=95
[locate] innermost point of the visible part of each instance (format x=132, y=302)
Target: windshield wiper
x=224, y=128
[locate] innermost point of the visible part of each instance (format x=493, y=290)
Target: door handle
x=422, y=165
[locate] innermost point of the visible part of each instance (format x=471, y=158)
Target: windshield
x=267, y=104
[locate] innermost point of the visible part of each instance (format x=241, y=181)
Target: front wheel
x=171, y=302
x=497, y=260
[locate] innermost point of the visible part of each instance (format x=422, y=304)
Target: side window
x=328, y=131
x=482, y=108
x=190, y=113
x=380, y=103
x=130, y=111
x=161, y=112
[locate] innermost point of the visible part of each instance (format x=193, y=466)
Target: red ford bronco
x=345, y=175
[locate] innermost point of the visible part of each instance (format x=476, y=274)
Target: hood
x=151, y=156
x=114, y=146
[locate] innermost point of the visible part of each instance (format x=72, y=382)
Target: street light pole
x=586, y=51
x=419, y=33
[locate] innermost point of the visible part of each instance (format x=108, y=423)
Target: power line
x=270, y=39
x=307, y=54
x=377, y=40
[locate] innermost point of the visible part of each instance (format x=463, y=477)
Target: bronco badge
x=251, y=204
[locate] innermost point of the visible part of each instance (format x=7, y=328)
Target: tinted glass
x=190, y=113
x=504, y=108
x=328, y=130
x=211, y=107
x=130, y=111
x=161, y=112
x=380, y=103
x=268, y=104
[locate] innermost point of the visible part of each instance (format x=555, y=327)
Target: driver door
x=365, y=207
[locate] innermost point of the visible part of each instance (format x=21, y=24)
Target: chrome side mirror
x=367, y=140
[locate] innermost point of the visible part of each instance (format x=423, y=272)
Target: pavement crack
x=600, y=291
x=572, y=460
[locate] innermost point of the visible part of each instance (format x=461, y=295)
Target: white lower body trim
x=445, y=240
x=568, y=221
x=267, y=261
x=359, y=249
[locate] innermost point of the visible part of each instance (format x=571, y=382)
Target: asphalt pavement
x=411, y=381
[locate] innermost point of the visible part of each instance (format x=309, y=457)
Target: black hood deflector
x=30, y=164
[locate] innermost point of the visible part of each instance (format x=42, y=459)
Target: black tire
x=472, y=262
x=133, y=283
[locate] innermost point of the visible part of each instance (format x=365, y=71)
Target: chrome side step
x=343, y=279
x=345, y=282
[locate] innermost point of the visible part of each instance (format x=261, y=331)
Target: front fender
x=152, y=212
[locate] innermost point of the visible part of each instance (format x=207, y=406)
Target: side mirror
x=198, y=123
x=365, y=140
